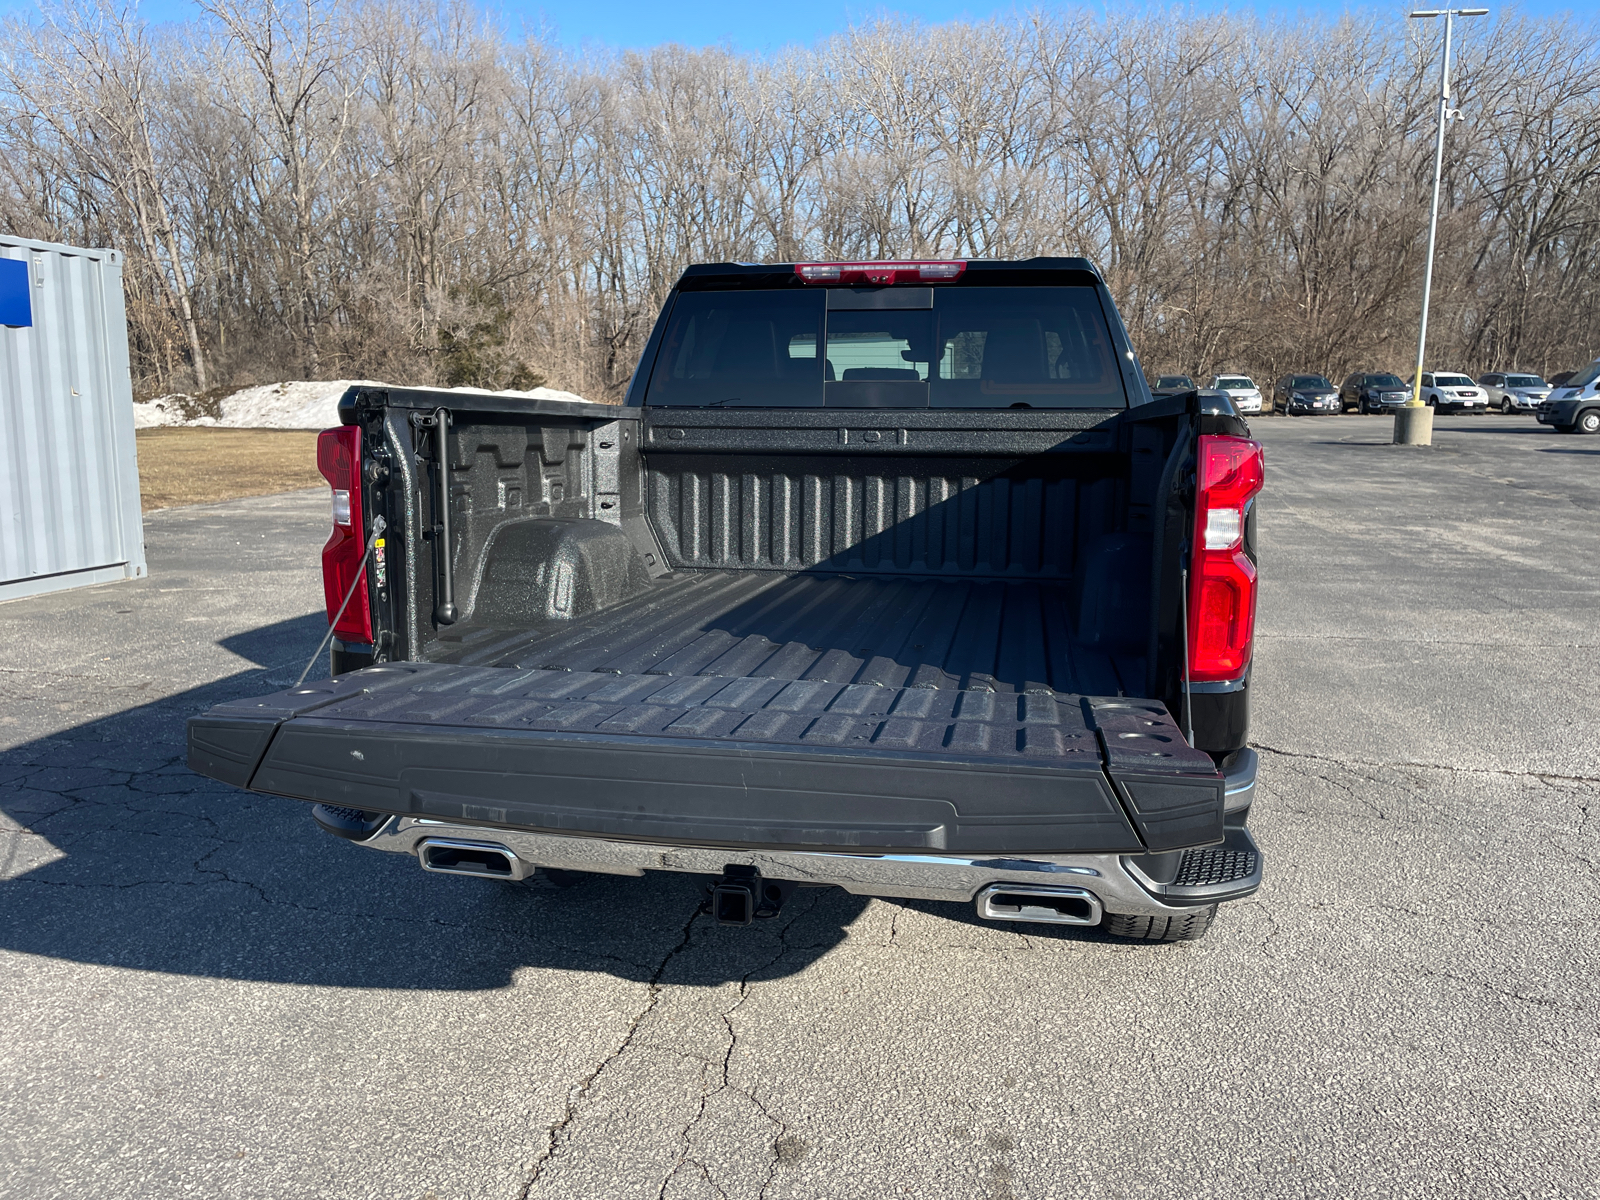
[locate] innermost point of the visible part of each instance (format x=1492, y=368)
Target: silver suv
x=1514, y=392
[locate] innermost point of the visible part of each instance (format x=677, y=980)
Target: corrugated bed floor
x=834, y=628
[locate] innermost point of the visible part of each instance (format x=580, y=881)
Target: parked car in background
x=1448, y=392
x=1172, y=385
x=1575, y=408
x=1514, y=391
x=1306, y=395
x=1560, y=378
x=1373, y=392
x=1241, y=389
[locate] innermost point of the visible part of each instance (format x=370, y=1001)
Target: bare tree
x=89, y=75
x=285, y=69
x=386, y=189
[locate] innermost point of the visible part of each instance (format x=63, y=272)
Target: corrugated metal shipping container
x=69, y=476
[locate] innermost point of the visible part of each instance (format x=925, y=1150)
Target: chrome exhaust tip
x=1042, y=905
x=485, y=860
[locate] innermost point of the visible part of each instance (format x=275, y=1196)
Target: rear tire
x=1190, y=927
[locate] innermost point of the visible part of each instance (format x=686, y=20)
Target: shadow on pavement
x=1539, y=430
x=139, y=863
x=966, y=914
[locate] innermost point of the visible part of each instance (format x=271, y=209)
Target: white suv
x=1452, y=393
x=1241, y=389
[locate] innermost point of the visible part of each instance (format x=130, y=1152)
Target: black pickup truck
x=886, y=576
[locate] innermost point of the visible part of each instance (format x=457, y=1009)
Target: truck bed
x=836, y=628
x=988, y=702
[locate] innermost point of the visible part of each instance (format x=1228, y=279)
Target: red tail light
x=1222, y=586
x=879, y=272
x=339, y=460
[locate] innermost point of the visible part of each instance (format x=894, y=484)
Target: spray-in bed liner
x=1000, y=635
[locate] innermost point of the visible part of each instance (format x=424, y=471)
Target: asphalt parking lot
x=204, y=995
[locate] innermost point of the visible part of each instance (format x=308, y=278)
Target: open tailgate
x=714, y=760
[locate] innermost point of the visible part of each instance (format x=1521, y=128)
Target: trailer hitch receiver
x=741, y=895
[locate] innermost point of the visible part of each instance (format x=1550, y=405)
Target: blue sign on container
x=16, y=306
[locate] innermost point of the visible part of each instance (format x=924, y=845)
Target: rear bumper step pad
x=733, y=761
x=1202, y=875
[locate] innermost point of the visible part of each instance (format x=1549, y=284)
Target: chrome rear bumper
x=1112, y=882
x=903, y=876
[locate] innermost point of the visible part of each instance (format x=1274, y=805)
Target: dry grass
x=201, y=466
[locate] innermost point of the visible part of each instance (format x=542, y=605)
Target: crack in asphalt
x=124, y=781
x=1540, y=1001
x=175, y=769
x=1541, y=776
x=555, y=1135
x=726, y=1084
x=1273, y=928
x=716, y=1077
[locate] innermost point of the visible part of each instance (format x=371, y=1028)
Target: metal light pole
x=1413, y=424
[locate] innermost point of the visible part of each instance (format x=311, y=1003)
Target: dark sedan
x=1172, y=385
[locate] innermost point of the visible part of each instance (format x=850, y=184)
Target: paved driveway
x=203, y=995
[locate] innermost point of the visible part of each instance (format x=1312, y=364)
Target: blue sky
x=764, y=25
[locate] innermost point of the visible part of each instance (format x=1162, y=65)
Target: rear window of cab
x=892, y=347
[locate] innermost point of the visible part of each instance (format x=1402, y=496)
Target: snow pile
x=538, y=393
x=293, y=405
x=164, y=410
x=296, y=405
x=285, y=406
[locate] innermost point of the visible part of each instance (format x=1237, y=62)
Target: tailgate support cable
x=378, y=526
